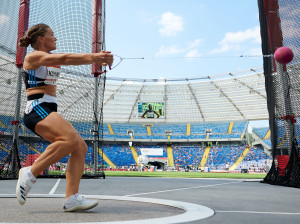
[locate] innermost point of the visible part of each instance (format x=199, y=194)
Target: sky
x=182, y=38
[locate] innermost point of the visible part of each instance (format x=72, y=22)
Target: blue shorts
x=38, y=107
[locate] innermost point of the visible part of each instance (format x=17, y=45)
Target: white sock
x=31, y=177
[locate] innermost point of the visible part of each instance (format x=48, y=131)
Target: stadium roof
x=203, y=99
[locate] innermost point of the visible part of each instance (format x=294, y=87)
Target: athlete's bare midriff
x=49, y=90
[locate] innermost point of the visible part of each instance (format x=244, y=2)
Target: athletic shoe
x=77, y=202
x=23, y=186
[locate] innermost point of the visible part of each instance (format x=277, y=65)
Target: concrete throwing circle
x=176, y=211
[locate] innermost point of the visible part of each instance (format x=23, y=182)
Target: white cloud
x=237, y=40
x=165, y=50
x=190, y=48
x=193, y=53
x=242, y=36
x=254, y=51
x=3, y=19
x=170, y=24
x=195, y=43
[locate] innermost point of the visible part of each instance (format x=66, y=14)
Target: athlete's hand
x=107, y=58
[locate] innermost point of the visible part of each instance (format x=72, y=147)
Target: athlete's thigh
x=54, y=127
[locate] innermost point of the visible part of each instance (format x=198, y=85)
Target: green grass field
x=175, y=174
x=184, y=174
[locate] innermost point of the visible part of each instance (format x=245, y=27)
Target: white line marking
x=54, y=187
x=180, y=189
x=255, y=212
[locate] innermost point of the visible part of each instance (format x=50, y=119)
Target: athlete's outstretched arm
x=40, y=58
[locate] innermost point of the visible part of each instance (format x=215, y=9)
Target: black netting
x=8, y=85
x=72, y=23
x=280, y=27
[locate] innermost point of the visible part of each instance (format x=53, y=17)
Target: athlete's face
x=50, y=40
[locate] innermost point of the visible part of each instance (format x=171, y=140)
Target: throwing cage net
x=280, y=24
x=79, y=28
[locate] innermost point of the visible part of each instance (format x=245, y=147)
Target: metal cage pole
x=97, y=42
x=20, y=55
x=96, y=126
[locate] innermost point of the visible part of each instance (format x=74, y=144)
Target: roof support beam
x=251, y=89
x=165, y=100
x=136, y=100
x=195, y=99
x=235, y=106
x=113, y=94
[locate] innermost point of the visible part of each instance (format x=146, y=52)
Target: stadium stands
x=176, y=131
x=255, y=160
x=158, y=131
x=221, y=155
x=261, y=132
x=185, y=155
x=256, y=154
x=120, y=155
